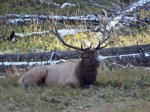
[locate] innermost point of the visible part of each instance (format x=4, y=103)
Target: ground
x=116, y=90
x=3, y=108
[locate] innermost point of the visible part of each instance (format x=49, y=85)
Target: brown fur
x=34, y=76
x=76, y=73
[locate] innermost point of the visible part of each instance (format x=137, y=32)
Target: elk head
x=89, y=54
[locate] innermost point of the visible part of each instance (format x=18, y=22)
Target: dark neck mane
x=86, y=74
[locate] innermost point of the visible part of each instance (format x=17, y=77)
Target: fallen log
x=45, y=56
x=24, y=19
x=125, y=50
x=4, y=66
x=125, y=60
x=131, y=60
x=62, y=32
x=137, y=55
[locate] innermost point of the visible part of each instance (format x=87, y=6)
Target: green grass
x=116, y=90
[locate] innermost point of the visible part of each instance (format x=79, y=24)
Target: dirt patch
x=3, y=108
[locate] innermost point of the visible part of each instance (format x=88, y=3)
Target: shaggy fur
x=87, y=69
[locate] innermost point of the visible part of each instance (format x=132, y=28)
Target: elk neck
x=86, y=74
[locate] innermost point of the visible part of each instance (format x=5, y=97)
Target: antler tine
x=99, y=44
x=103, y=30
x=62, y=41
x=85, y=49
x=105, y=45
x=103, y=41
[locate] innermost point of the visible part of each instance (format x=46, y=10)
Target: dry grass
x=116, y=90
x=49, y=42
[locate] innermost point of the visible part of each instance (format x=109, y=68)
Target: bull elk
x=74, y=72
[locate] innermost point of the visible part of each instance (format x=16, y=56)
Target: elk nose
x=97, y=61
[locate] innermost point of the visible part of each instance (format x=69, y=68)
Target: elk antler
x=55, y=32
x=104, y=28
